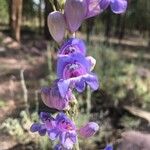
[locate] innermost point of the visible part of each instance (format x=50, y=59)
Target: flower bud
x=118, y=6
x=56, y=25
x=75, y=11
x=89, y=129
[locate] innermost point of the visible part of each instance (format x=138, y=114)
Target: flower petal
x=73, y=45
x=118, y=6
x=44, y=116
x=53, y=134
x=92, y=62
x=63, y=86
x=93, y=8
x=35, y=127
x=89, y=130
x=80, y=85
x=92, y=81
x=104, y=4
x=109, y=147
x=63, y=61
x=53, y=99
x=42, y=131
x=68, y=139
x=56, y=28
x=58, y=147
x=74, y=13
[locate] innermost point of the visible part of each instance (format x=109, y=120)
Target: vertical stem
x=37, y=101
x=77, y=145
x=72, y=113
x=88, y=101
x=49, y=59
x=53, y=5
x=75, y=113
x=25, y=91
x=77, y=142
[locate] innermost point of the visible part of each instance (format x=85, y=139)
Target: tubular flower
x=109, y=147
x=117, y=6
x=41, y=128
x=89, y=130
x=74, y=72
x=56, y=28
x=73, y=45
x=52, y=98
x=63, y=129
x=74, y=11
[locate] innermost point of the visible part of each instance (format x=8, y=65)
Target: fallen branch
x=138, y=112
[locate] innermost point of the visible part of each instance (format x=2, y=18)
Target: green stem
x=88, y=101
x=53, y=5
x=72, y=113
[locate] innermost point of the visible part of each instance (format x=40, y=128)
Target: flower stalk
x=74, y=72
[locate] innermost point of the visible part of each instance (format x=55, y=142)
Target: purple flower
x=74, y=72
x=57, y=25
x=74, y=11
x=41, y=128
x=89, y=130
x=64, y=130
x=109, y=147
x=58, y=147
x=73, y=45
x=93, y=8
x=117, y=6
x=52, y=98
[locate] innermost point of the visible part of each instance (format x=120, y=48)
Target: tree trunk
x=117, y=26
x=40, y=17
x=123, y=25
x=89, y=28
x=15, y=19
x=48, y=9
x=108, y=26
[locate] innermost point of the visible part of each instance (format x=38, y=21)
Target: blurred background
x=121, y=46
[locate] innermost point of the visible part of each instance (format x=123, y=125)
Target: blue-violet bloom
x=117, y=6
x=76, y=11
x=57, y=25
x=63, y=129
x=41, y=128
x=109, y=147
x=88, y=130
x=73, y=45
x=53, y=99
x=74, y=71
